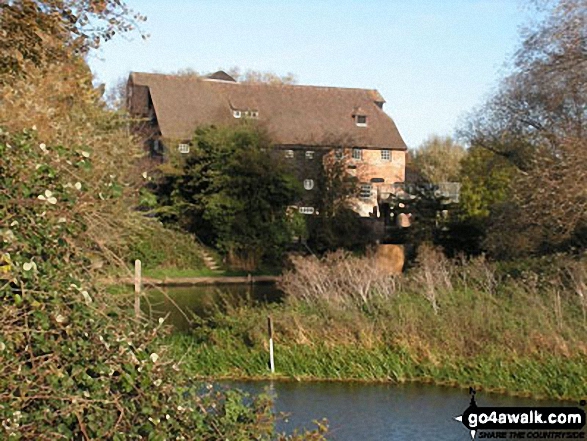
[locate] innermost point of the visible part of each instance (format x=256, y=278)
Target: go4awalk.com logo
x=535, y=423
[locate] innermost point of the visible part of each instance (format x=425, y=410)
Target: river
x=355, y=411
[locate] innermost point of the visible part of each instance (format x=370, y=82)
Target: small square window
x=339, y=154
x=308, y=184
x=236, y=113
x=288, y=154
x=386, y=155
x=183, y=148
x=357, y=154
x=361, y=120
x=309, y=154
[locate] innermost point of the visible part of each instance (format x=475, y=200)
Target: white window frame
x=309, y=154
x=288, y=154
x=361, y=124
x=364, y=189
x=386, y=155
x=183, y=148
x=306, y=210
x=357, y=154
x=308, y=184
x=236, y=113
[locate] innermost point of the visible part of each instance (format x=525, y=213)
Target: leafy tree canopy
x=232, y=191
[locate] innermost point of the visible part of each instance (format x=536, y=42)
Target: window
x=386, y=155
x=245, y=114
x=288, y=154
x=183, y=148
x=308, y=184
x=357, y=154
x=361, y=120
x=306, y=210
x=365, y=191
x=309, y=154
x=339, y=154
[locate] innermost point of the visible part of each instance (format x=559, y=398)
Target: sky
x=433, y=61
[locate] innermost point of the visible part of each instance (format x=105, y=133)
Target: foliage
x=438, y=160
x=159, y=247
x=232, y=192
x=486, y=180
x=519, y=329
x=536, y=123
x=255, y=76
x=336, y=225
x=428, y=209
x=41, y=32
x=75, y=365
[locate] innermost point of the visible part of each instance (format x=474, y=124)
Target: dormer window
x=361, y=120
x=254, y=114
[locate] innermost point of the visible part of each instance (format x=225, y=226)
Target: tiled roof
x=293, y=114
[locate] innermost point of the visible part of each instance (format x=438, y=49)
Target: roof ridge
x=262, y=84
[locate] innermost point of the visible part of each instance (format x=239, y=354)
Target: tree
x=233, y=193
x=41, y=32
x=336, y=224
x=438, y=159
x=256, y=76
x=536, y=122
x=486, y=180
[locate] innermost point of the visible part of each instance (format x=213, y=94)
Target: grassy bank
x=539, y=377
x=458, y=323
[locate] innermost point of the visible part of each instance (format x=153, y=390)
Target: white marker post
x=270, y=328
x=137, y=288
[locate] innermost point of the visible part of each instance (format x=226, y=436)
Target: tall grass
x=450, y=321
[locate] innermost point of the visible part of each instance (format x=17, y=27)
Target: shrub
x=75, y=364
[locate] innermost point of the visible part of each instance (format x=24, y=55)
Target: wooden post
x=270, y=329
x=137, y=288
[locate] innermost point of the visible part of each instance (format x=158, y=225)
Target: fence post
x=270, y=329
x=137, y=288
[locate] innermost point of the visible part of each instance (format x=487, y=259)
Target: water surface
x=379, y=412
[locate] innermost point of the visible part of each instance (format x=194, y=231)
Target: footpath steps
x=209, y=261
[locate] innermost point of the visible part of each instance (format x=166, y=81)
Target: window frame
x=358, y=122
x=363, y=191
x=357, y=154
x=386, y=152
x=310, y=154
x=308, y=184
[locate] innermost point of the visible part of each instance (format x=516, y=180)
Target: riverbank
x=463, y=325
x=195, y=281
x=541, y=377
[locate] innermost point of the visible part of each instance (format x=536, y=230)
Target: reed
x=479, y=325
